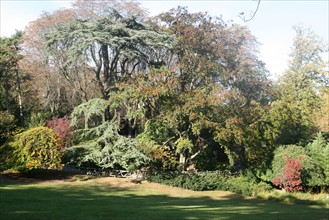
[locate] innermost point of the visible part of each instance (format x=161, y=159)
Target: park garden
x=180, y=98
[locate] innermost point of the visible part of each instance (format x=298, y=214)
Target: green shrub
x=36, y=148
x=263, y=187
x=311, y=174
x=243, y=184
x=8, y=128
x=239, y=185
x=104, y=147
x=99, y=143
x=319, y=151
x=36, y=119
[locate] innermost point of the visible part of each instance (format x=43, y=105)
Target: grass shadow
x=39, y=176
x=95, y=200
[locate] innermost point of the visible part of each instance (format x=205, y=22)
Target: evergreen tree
x=292, y=111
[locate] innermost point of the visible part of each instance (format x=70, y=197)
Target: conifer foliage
x=101, y=145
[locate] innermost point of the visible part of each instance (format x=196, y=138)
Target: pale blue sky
x=272, y=25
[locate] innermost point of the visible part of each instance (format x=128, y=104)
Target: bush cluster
x=311, y=173
x=244, y=184
x=36, y=148
x=291, y=179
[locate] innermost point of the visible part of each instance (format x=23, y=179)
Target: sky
x=272, y=24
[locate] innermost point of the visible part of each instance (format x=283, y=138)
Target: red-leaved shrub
x=61, y=126
x=290, y=179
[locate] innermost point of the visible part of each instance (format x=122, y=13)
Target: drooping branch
x=252, y=14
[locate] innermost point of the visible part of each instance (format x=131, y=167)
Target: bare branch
x=252, y=15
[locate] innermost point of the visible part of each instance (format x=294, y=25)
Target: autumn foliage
x=290, y=179
x=36, y=148
x=169, y=92
x=61, y=126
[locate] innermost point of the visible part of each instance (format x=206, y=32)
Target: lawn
x=112, y=198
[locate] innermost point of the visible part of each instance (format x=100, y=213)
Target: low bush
x=290, y=179
x=311, y=173
x=212, y=181
x=36, y=148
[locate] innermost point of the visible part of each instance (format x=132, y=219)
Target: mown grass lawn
x=110, y=198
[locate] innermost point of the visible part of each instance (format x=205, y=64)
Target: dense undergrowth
x=245, y=184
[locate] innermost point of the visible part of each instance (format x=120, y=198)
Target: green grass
x=110, y=198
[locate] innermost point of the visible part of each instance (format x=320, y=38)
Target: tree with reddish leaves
x=61, y=126
x=290, y=179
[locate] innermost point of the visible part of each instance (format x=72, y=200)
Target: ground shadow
x=96, y=201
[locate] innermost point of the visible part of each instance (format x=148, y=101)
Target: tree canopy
x=171, y=91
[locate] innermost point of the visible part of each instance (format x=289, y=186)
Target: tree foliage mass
x=171, y=92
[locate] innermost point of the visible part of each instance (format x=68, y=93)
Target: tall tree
x=113, y=47
x=219, y=80
x=292, y=112
x=56, y=91
x=211, y=51
x=322, y=116
x=60, y=87
x=10, y=74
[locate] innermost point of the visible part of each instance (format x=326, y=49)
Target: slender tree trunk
x=240, y=163
x=129, y=129
x=7, y=91
x=183, y=159
x=106, y=77
x=106, y=71
x=19, y=93
x=86, y=123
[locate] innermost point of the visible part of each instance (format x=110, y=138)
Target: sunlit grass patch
x=111, y=198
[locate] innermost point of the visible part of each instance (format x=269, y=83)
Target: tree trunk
x=130, y=130
x=19, y=93
x=106, y=71
x=7, y=91
x=183, y=159
x=106, y=77
x=240, y=163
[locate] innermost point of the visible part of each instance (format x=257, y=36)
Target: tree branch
x=252, y=16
